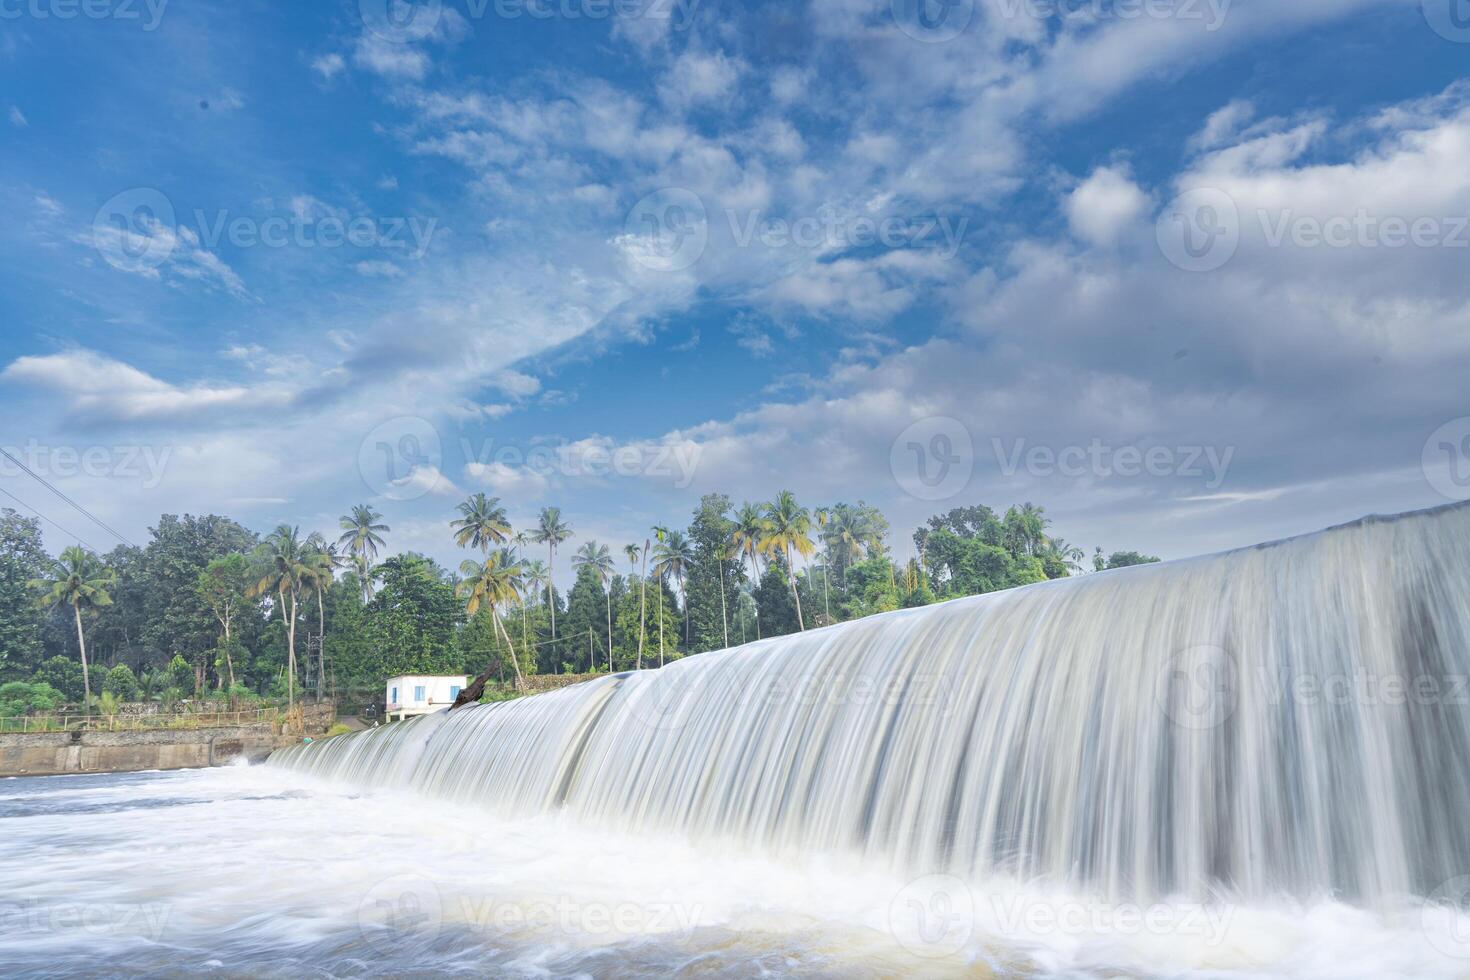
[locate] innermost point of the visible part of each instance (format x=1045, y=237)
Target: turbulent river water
x=1250, y=764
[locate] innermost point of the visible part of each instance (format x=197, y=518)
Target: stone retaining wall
x=58, y=753
x=54, y=753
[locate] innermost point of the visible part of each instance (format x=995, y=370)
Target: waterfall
x=1285, y=719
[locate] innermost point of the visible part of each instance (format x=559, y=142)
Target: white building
x=412, y=694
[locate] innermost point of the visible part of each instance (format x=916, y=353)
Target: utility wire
x=50, y=521
x=84, y=511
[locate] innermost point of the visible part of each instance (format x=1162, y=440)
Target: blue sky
x=272, y=260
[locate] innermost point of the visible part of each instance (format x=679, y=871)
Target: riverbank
x=54, y=753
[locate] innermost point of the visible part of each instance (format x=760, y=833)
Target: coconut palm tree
x=482, y=522
x=671, y=559
x=659, y=533
x=78, y=579
x=322, y=562
x=283, y=570
x=788, y=525
x=845, y=535
x=551, y=531
x=1071, y=556
x=362, y=536
x=634, y=553
x=749, y=533
x=824, y=515
x=495, y=583
x=596, y=557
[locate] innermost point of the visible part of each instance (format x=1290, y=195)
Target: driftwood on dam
x=475, y=691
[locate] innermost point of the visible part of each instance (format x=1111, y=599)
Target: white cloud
x=99, y=389
x=379, y=268
x=697, y=77
x=17, y=118
x=329, y=66
x=508, y=480
x=389, y=59
x=1104, y=205
x=1223, y=125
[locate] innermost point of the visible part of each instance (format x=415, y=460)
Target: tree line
x=209, y=608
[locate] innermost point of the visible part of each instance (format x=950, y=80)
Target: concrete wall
x=54, y=753
x=57, y=753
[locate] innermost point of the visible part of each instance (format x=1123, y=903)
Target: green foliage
x=715, y=574
x=773, y=599
x=22, y=559
x=20, y=698
x=180, y=674
x=122, y=683
x=108, y=703
x=63, y=674
x=1123, y=559
x=412, y=620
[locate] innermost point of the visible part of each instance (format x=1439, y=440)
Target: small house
x=412, y=694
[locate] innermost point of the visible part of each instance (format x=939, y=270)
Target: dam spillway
x=1288, y=719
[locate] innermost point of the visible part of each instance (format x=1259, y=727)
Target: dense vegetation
x=210, y=608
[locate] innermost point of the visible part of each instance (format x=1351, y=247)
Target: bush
x=180, y=674
x=19, y=698
x=121, y=683
x=62, y=674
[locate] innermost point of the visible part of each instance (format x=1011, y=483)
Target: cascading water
x=1286, y=719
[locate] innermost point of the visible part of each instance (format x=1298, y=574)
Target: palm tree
x=659, y=533
x=750, y=532
x=80, y=580
x=551, y=531
x=634, y=553
x=482, y=522
x=1071, y=556
x=824, y=515
x=788, y=524
x=848, y=531
x=284, y=569
x=495, y=583
x=671, y=559
x=362, y=536
x=596, y=557
x=322, y=562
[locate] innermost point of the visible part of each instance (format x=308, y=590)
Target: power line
x=84, y=511
x=50, y=521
